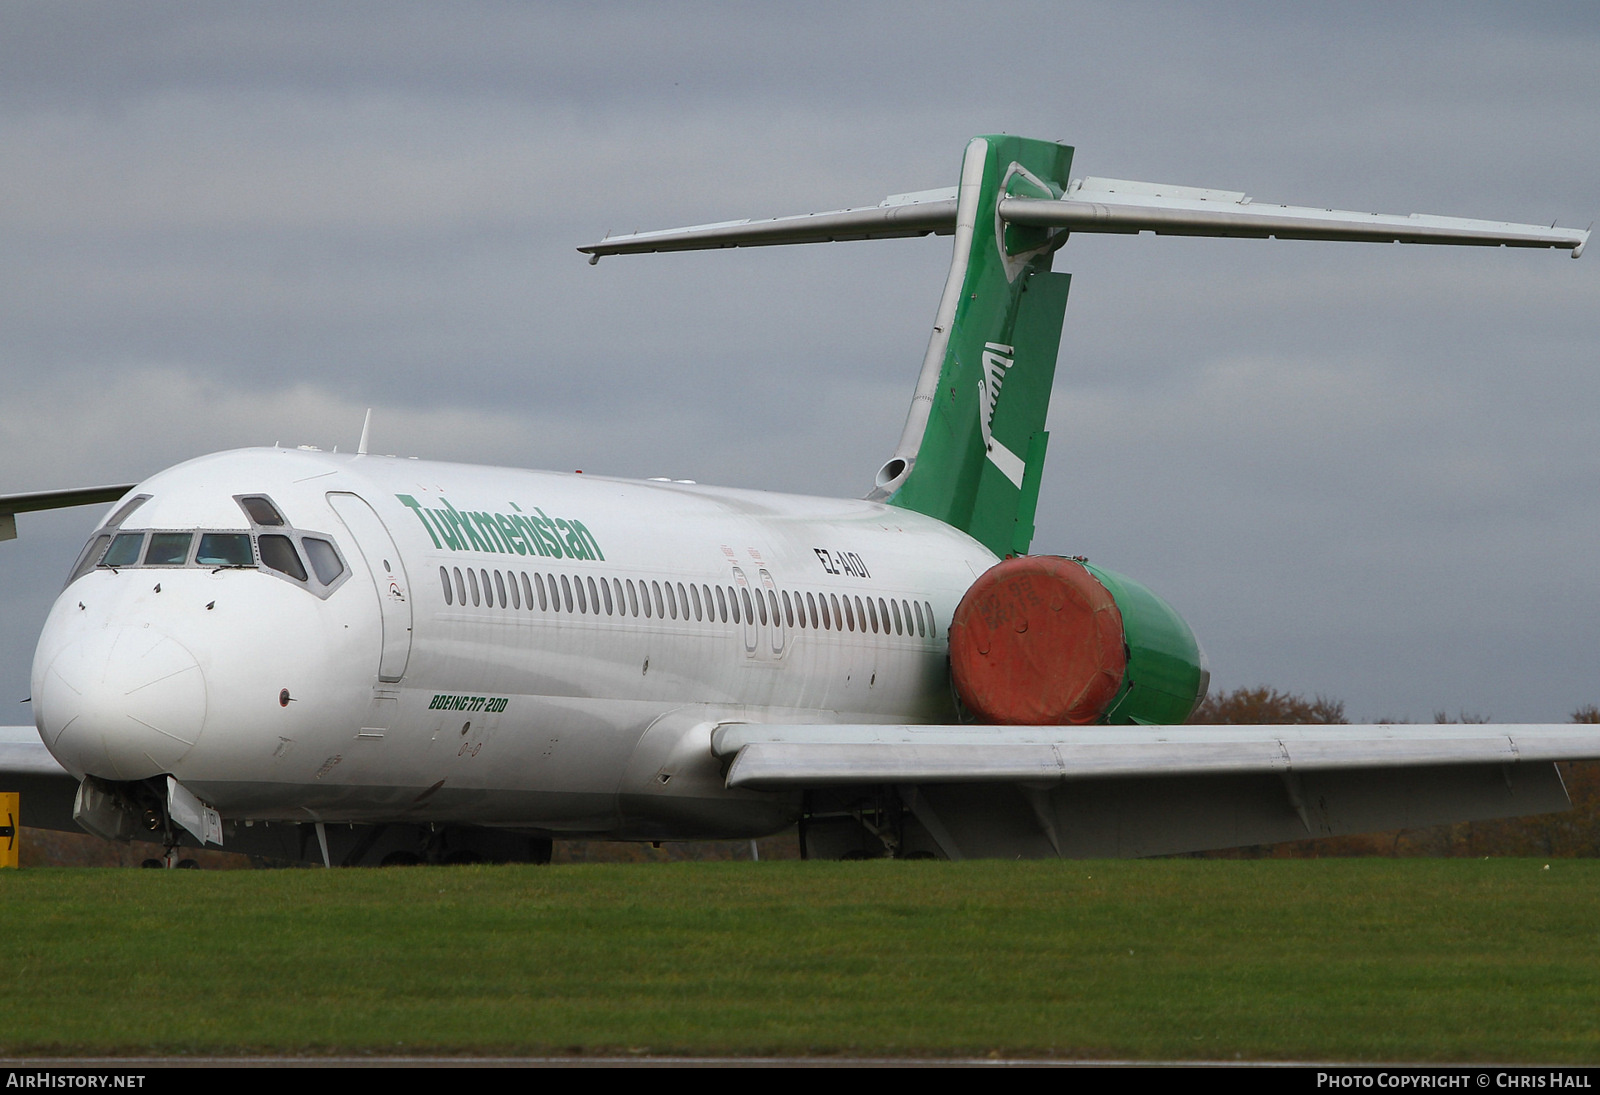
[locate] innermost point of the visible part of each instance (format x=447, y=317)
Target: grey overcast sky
x=1366, y=471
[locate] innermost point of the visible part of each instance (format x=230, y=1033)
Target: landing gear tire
x=153, y=864
x=188, y=865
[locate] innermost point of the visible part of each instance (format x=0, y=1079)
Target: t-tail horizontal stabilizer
x=972, y=452
x=1108, y=206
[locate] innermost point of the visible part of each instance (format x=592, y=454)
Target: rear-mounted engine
x=1044, y=641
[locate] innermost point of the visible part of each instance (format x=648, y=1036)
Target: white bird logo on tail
x=997, y=360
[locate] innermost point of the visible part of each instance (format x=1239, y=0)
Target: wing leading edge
x=763, y=757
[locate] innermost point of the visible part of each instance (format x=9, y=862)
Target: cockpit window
x=225, y=549
x=283, y=552
x=168, y=549
x=324, y=560
x=124, y=550
x=277, y=553
x=261, y=511
x=125, y=509
x=91, y=556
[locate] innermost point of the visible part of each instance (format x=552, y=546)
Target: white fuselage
x=490, y=646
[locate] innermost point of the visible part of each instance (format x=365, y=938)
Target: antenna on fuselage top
x=366, y=429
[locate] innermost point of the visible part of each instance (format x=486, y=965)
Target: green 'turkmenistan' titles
x=505, y=533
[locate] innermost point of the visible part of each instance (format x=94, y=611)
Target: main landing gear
x=866, y=823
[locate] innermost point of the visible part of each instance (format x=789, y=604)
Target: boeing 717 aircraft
x=352, y=658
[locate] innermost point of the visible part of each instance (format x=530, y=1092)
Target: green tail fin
x=974, y=443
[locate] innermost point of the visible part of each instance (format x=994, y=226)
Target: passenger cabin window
x=579, y=593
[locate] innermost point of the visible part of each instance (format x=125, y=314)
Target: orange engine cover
x=1038, y=641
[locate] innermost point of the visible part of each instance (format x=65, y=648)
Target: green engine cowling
x=1042, y=640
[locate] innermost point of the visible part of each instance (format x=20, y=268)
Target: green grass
x=1383, y=960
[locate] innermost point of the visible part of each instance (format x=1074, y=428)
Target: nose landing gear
x=126, y=812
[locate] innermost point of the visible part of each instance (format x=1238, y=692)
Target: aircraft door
x=769, y=590
x=388, y=578
x=746, y=593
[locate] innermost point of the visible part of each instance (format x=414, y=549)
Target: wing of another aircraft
x=1011, y=791
x=13, y=504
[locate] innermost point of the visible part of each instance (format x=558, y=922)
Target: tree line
x=1573, y=833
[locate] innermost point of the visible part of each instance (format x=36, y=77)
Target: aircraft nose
x=122, y=703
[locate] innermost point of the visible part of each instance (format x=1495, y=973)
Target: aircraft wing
x=1030, y=792
x=23, y=754
x=764, y=757
x=47, y=790
x=13, y=504
x=1116, y=206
